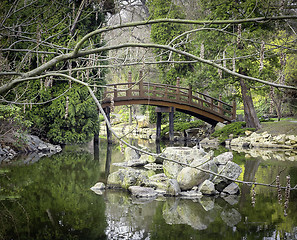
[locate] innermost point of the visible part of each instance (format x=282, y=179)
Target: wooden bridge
x=182, y=99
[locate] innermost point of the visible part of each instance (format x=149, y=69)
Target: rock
x=219, y=126
x=164, y=185
x=181, y=155
x=207, y=188
x=153, y=166
x=231, y=189
x=132, y=163
x=248, y=133
x=189, y=177
x=192, y=194
x=143, y=123
x=207, y=141
x=115, y=179
x=223, y=158
x=147, y=158
x=193, y=133
x=232, y=171
x=231, y=217
x=131, y=154
x=124, y=178
x=142, y=192
x=43, y=147
x=98, y=188
x=1, y=152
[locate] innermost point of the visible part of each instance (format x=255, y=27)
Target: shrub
x=236, y=128
x=182, y=126
x=13, y=126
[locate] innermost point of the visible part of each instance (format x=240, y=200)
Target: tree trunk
x=250, y=115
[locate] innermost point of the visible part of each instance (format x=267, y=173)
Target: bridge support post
x=159, y=111
x=171, y=125
x=158, y=131
x=108, y=132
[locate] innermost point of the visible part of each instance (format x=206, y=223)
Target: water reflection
x=54, y=202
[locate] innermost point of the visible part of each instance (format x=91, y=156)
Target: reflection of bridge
x=182, y=99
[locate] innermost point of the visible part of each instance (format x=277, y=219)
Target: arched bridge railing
x=180, y=96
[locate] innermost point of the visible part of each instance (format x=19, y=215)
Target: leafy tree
x=73, y=116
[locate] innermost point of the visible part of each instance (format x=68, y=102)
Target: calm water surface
x=51, y=199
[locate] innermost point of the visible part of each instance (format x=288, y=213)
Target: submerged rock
x=231, y=217
x=143, y=192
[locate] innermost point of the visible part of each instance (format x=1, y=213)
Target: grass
x=286, y=126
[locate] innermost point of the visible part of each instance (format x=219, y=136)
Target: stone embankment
x=191, y=174
x=264, y=140
x=34, y=150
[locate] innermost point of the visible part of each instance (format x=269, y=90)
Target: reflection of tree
x=251, y=167
x=55, y=200
x=108, y=159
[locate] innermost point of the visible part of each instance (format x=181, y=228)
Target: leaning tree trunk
x=250, y=115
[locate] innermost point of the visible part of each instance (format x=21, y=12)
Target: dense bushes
x=12, y=126
x=182, y=126
x=236, y=128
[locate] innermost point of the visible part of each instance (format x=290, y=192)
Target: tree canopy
x=225, y=47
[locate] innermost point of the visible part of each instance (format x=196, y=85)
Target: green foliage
x=163, y=33
x=48, y=22
x=54, y=122
x=236, y=128
x=182, y=126
x=13, y=126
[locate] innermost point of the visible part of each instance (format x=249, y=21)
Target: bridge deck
x=183, y=99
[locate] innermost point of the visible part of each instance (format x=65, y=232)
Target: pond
x=51, y=199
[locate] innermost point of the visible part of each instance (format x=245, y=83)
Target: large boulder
x=232, y=171
x=223, y=158
x=131, y=154
x=219, y=126
x=147, y=158
x=189, y=177
x=181, y=156
x=124, y=178
x=143, y=192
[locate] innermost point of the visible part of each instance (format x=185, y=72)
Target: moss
x=236, y=128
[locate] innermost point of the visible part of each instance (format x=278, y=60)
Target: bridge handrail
x=160, y=85
x=171, y=93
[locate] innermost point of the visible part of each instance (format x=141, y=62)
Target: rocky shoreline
x=34, y=150
x=178, y=178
